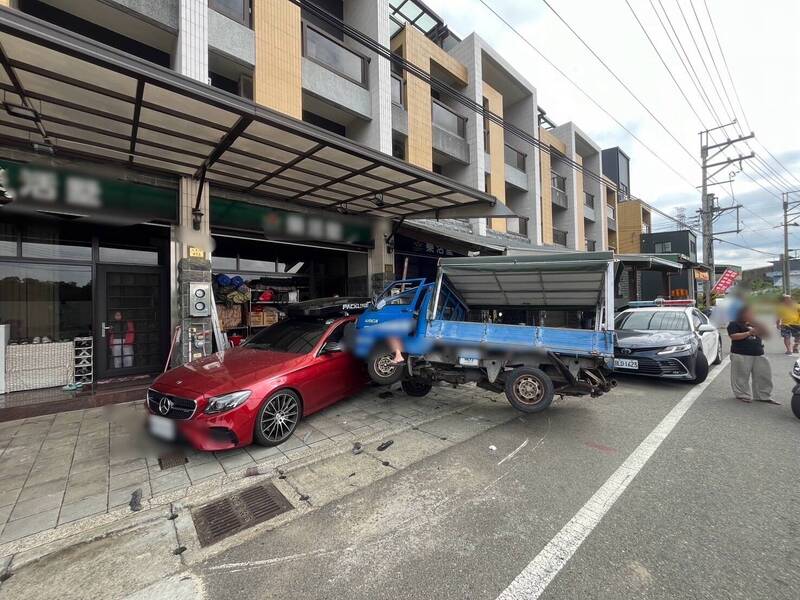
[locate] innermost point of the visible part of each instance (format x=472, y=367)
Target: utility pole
x=708, y=209
x=787, y=283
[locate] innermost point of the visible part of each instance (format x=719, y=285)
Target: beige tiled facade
x=630, y=218
x=496, y=151
x=277, y=76
x=420, y=51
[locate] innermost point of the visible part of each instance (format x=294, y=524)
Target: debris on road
x=357, y=448
x=385, y=445
x=306, y=437
x=179, y=550
x=136, y=500
x=304, y=497
x=251, y=472
x=492, y=448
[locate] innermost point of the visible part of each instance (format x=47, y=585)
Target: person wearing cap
x=789, y=323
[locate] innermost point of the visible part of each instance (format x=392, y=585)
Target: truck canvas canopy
x=555, y=281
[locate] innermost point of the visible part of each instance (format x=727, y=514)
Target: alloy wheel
x=280, y=417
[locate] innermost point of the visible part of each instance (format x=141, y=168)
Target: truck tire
x=529, y=390
x=416, y=387
x=380, y=367
x=796, y=405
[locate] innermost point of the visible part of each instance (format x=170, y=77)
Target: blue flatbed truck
x=530, y=363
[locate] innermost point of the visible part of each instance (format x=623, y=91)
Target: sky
x=760, y=44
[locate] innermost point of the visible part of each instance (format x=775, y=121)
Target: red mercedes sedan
x=259, y=391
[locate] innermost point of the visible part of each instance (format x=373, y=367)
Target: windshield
x=296, y=337
x=653, y=320
x=402, y=293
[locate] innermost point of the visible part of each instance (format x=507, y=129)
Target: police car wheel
x=718, y=359
x=381, y=369
x=700, y=368
x=796, y=405
x=416, y=387
x=529, y=390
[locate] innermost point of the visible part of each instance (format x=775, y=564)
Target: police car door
x=709, y=339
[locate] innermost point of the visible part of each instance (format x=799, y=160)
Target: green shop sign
x=41, y=189
x=281, y=224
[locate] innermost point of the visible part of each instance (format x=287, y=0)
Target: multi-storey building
x=243, y=137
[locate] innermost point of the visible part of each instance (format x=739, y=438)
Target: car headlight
x=219, y=404
x=674, y=349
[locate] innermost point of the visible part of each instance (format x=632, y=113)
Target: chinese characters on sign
x=725, y=281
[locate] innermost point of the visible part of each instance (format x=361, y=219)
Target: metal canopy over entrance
x=545, y=281
x=67, y=94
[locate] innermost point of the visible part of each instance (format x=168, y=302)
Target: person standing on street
x=750, y=369
x=789, y=323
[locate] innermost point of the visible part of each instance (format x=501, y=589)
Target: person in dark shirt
x=750, y=369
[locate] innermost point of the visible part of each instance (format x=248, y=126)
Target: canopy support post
x=609, y=299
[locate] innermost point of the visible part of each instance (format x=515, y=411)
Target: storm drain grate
x=172, y=459
x=237, y=512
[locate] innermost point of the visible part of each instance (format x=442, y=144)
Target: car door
x=709, y=339
x=335, y=373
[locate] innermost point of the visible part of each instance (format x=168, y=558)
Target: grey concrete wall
x=450, y=145
x=371, y=17
x=566, y=133
x=337, y=90
x=158, y=12
x=523, y=114
x=231, y=38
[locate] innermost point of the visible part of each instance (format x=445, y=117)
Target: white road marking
x=534, y=579
x=514, y=453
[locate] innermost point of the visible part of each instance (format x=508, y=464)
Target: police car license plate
x=626, y=363
x=161, y=427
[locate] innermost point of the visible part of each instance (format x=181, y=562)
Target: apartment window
x=444, y=118
x=324, y=123
x=591, y=245
x=487, y=183
x=515, y=158
x=236, y=10
x=559, y=237
x=612, y=212
x=399, y=148
x=662, y=247
x=397, y=90
x=558, y=182
x=692, y=249
x=436, y=168
x=485, y=126
x=329, y=52
x=588, y=200
x=333, y=7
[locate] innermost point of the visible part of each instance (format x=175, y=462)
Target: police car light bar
x=659, y=302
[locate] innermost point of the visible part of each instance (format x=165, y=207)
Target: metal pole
x=787, y=287
x=706, y=214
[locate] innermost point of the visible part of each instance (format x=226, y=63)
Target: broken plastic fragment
x=385, y=445
x=493, y=448
x=357, y=448
x=136, y=500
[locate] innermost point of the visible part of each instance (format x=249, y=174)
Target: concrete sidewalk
x=67, y=470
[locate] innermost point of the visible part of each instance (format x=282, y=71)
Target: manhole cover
x=172, y=459
x=237, y=512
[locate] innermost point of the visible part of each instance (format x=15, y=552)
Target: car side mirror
x=331, y=347
x=706, y=327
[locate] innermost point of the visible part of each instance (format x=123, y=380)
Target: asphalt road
x=713, y=513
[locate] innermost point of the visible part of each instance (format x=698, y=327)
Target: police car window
x=699, y=317
x=653, y=320
x=696, y=319
x=292, y=336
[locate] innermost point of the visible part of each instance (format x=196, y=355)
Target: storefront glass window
x=40, y=300
x=128, y=255
x=8, y=239
x=52, y=242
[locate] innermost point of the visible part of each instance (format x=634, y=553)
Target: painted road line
x=535, y=578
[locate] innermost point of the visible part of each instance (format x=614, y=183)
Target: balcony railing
x=397, y=90
x=559, y=237
x=591, y=245
x=515, y=158
x=560, y=197
x=518, y=226
x=588, y=200
x=332, y=54
x=444, y=118
x=612, y=212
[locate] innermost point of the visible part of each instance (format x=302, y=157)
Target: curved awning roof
x=67, y=94
x=569, y=279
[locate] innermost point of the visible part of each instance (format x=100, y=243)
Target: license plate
x=161, y=427
x=626, y=363
x=468, y=361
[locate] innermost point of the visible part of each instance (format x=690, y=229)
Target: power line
x=582, y=91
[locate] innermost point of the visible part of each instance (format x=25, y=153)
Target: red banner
x=725, y=281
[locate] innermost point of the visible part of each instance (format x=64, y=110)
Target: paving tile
x=79, y=491
x=89, y=464
x=124, y=480
x=29, y=525
x=35, y=506
x=128, y=465
x=30, y=492
x=258, y=453
x=234, y=459
x=46, y=473
x=13, y=482
x=178, y=479
x=9, y=496
x=204, y=471
x=290, y=444
x=91, y=505
x=5, y=512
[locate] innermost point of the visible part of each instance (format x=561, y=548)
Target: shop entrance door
x=130, y=317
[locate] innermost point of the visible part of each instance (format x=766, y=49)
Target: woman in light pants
x=750, y=369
